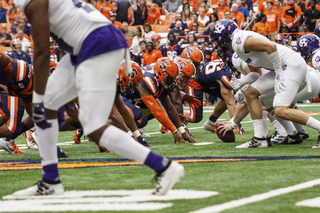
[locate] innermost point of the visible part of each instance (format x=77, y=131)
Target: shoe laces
x=43, y=189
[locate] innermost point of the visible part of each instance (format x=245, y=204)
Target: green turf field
x=218, y=167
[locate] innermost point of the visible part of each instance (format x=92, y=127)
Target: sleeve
x=239, y=39
x=157, y=112
x=225, y=80
x=239, y=64
x=299, y=12
x=316, y=60
x=150, y=85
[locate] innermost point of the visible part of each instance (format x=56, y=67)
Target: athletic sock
x=51, y=173
x=279, y=128
x=258, y=128
x=213, y=118
x=288, y=125
x=313, y=123
x=299, y=128
x=265, y=122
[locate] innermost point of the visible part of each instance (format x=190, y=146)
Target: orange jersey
x=263, y=4
x=117, y=24
x=278, y=9
x=224, y=9
x=105, y=9
x=273, y=19
x=290, y=14
x=153, y=15
x=239, y=16
x=149, y=58
x=11, y=16
x=261, y=28
x=195, y=5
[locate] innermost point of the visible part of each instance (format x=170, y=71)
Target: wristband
x=136, y=133
x=37, y=98
x=129, y=133
x=181, y=130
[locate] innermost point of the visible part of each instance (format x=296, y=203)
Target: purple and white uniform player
x=88, y=71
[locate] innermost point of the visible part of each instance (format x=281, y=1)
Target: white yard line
x=256, y=198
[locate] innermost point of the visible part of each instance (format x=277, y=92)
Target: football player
x=172, y=48
x=290, y=72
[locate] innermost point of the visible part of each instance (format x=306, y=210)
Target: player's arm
x=228, y=98
x=177, y=100
x=37, y=13
x=117, y=119
x=6, y=64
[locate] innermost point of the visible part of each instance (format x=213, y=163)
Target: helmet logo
x=317, y=59
x=134, y=73
x=238, y=40
x=164, y=65
x=182, y=64
x=303, y=42
x=219, y=27
x=188, y=52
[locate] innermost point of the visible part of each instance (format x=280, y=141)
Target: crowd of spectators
x=180, y=23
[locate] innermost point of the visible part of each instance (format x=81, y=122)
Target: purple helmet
x=221, y=32
x=317, y=30
x=307, y=44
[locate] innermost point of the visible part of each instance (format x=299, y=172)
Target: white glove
x=236, y=83
x=279, y=83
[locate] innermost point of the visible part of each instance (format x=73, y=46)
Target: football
x=228, y=137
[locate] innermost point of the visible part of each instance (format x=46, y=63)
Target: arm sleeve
x=157, y=112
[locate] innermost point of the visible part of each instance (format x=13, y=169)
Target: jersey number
x=212, y=67
x=83, y=5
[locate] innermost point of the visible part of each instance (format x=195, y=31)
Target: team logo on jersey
x=284, y=67
x=238, y=41
x=317, y=59
x=303, y=42
x=219, y=27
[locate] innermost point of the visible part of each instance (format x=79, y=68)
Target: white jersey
x=255, y=58
x=71, y=21
x=240, y=65
x=316, y=60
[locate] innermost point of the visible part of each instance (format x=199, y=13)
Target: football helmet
x=221, y=32
x=155, y=38
x=195, y=55
x=187, y=71
x=166, y=71
x=278, y=39
x=317, y=30
x=307, y=45
x=126, y=81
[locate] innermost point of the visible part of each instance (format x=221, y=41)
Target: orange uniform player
x=153, y=14
x=151, y=55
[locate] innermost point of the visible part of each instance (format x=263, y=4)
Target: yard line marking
x=314, y=202
x=256, y=198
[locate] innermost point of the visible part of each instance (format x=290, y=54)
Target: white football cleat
x=167, y=179
x=254, y=143
x=6, y=145
x=209, y=126
x=41, y=188
x=317, y=146
x=30, y=142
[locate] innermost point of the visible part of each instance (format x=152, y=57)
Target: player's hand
x=191, y=100
x=39, y=116
x=236, y=83
x=177, y=138
x=279, y=85
x=226, y=127
x=142, y=141
x=186, y=137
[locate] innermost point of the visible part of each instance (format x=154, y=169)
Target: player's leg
x=219, y=109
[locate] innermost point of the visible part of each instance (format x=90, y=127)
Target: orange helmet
x=124, y=80
x=166, y=71
x=278, y=39
x=155, y=38
x=187, y=71
x=195, y=55
x=53, y=65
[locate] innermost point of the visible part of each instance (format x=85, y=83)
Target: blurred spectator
x=171, y=6
x=114, y=22
x=121, y=8
x=136, y=40
x=291, y=16
x=22, y=26
x=140, y=12
x=177, y=31
x=153, y=14
x=11, y=12
x=105, y=7
x=302, y=7
x=139, y=57
x=215, y=10
x=223, y=7
x=185, y=3
x=195, y=20
x=156, y=38
x=202, y=18
x=213, y=18
x=287, y=38
x=262, y=26
x=15, y=24
x=3, y=13
x=194, y=27
x=273, y=18
x=187, y=16
x=148, y=32
x=237, y=15
x=21, y=37
x=243, y=10
x=227, y=14
x=195, y=5
x=192, y=40
x=179, y=18
x=262, y=6
x=312, y=15
x=5, y=38
x=200, y=36
x=126, y=31
x=278, y=39
x=20, y=54
x=278, y=7
x=151, y=55
x=172, y=48
x=207, y=51
x=249, y=5
x=27, y=24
